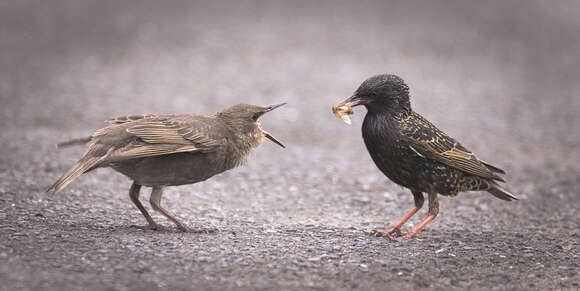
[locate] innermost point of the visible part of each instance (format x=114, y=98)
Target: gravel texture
x=499, y=76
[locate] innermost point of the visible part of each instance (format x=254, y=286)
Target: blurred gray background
x=500, y=76
x=500, y=67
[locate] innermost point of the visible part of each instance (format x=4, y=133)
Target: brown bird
x=171, y=150
x=415, y=154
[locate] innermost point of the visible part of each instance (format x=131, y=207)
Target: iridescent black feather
x=415, y=154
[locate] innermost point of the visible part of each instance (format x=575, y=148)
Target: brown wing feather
x=146, y=150
x=162, y=135
x=141, y=136
x=158, y=132
x=128, y=118
x=176, y=131
x=430, y=142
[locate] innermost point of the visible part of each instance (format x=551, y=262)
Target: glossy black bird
x=171, y=150
x=414, y=153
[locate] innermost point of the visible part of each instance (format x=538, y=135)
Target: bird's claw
x=182, y=228
x=408, y=235
x=154, y=226
x=394, y=233
x=202, y=230
x=390, y=234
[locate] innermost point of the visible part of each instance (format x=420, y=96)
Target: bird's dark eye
x=256, y=116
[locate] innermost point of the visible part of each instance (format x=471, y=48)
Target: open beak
x=273, y=139
x=352, y=101
x=272, y=107
x=343, y=109
x=267, y=134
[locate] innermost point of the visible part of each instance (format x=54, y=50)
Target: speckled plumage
x=170, y=150
x=415, y=154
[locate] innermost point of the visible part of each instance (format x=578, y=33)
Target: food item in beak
x=343, y=112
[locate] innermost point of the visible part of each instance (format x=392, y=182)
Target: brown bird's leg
x=431, y=214
x=155, y=201
x=396, y=231
x=134, y=194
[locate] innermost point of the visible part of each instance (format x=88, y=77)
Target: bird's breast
x=388, y=150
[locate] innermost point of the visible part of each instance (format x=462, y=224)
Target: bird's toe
x=409, y=235
x=156, y=227
x=187, y=229
x=390, y=234
x=203, y=230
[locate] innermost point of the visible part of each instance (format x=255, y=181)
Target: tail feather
x=78, y=169
x=500, y=192
x=492, y=168
x=94, y=156
x=75, y=141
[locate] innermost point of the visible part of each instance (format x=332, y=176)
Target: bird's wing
x=431, y=143
x=144, y=136
x=128, y=118
x=157, y=135
x=198, y=132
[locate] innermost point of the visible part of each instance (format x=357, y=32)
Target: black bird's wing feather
x=431, y=143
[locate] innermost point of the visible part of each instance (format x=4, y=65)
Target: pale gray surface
x=502, y=77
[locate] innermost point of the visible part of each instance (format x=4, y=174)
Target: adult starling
x=171, y=150
x=414, y=153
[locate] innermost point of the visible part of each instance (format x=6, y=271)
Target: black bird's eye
x=256, y=116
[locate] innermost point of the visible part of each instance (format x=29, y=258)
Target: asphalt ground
x=499, y=76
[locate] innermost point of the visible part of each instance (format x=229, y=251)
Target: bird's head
x=243, y=118
x=381, y=93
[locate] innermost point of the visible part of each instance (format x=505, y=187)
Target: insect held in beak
x=343, y=112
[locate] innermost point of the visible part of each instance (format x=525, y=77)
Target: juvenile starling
x=414, y=153
x=171, y=150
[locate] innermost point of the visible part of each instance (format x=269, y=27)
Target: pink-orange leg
x=433, y=210
x=426, y=221
x=396, y=231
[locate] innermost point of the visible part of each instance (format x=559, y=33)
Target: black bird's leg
x=155, y=201
x=134, y=195
x=396, y=231
x=431, y=214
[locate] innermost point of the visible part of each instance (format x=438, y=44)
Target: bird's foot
x=390, y=234
x=181, y=228
x=202, y=230
x=184, y=228
x=408, y=235
x=153, y=226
